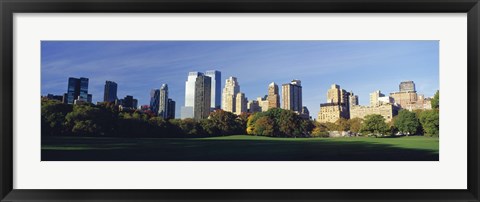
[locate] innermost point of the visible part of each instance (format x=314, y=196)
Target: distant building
x=89, y=98
x=253, y=106
x=387, y=110
x=241, y=103
x=155, y=100
x=337, y=106
x=273, y=96
x=385, y=100
x=135, y=103
x=110, y=91
x=163, y=102
x=353, y=99
x=404, y=98
x=407, y=86
x=374, y=98
x=292, y=96
x=229, y=94
x=331, y=112
x=77, y=90
x=216, y=95
x=186, y=112
x=128, y=102
x=337, y=95
x=55, y=97
x=187, y=109
x=171, y=109
x=263, y=103
x=202, y=97
x=305, y=113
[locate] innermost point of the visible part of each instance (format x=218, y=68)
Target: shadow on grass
x=205, y=149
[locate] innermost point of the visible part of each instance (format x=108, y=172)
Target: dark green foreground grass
x=240, y=148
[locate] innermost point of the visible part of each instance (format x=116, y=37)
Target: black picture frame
x=10, y=7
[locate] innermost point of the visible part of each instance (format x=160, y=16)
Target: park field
x=240, y=148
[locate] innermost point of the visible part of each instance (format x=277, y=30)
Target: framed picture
x=239, y=100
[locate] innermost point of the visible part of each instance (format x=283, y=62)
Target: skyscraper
x=229, y=94
x=188, y=109
x=203, y=89
x=292, y=96
x=241, y=103
x=163, y=102
x=110, y=91
x=77, y=90
x=273, y=96
x=154, y=100
x=216, y=88
x=171, y=109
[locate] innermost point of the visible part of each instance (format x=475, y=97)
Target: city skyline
x=378, y=65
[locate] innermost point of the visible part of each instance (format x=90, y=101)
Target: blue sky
x=139, y=66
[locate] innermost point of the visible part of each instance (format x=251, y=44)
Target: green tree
x=210, y=127
x=355, y=124
x=342, y=124
x=374, y=124
x=225, y=123
x=320, y=130
x=53, y=115
x=264, y=126
x=435, y=102
x=90, y=120
x=406, y=122
x=289, y=124
x=430, y=122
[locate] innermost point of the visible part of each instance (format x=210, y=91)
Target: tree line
x=105, y=119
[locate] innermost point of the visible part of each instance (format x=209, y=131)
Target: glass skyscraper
x=216, y=88
x=163, y=102
x=187, y=109
x=154, y=100
x=110, y=92
x=77, y=90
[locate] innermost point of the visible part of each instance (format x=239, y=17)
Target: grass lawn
x=239, y=148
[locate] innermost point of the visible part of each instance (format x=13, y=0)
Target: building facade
x=230, y=91
x=263, y=103
x=273, y=96
x=188, y=108
x=404, y=98
x=337, y=106
x=331, y=112
x=353, y=99
x=171, y=109
x=110, y=91
x=406, y=86
x=203, y=89
x=374, y=98
x=77, y=90
x=253, y=106
x=292, y=96
x=241, y=103
x=388, y=111
x=154, y=100
x=216, y=96
x=163, y=102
